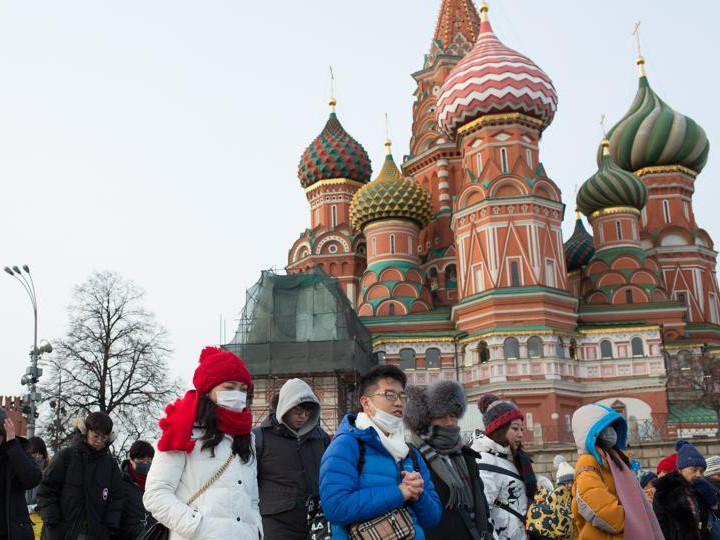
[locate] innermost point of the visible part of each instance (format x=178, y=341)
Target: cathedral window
x=478, y=159
x=560, y=348
x=686, y=209
x=666, y=210
x=628, y=296
x=410, y=244
x=407, y=359
x=712, y=300
x=618, y=228
x=451, y=276
x=317, y=216
x=637, y=347
x=479, y=278
x=483, y=352
x=504, y=167
x=511, y=348
x=528, y=157
x=374, y=247
x=432, y=359
x=606, y=350
x=682, y=298
x=514, y=274
x=392, y=243
x=333, y=216
x=391, y=310
x=534, y=347
x=550, y=272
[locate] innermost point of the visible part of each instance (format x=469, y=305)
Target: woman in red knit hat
x=203, y=481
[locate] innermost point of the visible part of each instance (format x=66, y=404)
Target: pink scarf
x=640, y=520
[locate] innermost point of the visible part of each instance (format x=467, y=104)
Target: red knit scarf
x=138, y=478
x=177, y=426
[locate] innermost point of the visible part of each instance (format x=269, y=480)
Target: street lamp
x=33, y=372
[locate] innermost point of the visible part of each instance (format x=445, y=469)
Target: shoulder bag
x=159, y=531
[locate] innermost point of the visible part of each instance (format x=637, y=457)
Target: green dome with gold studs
x=610, y=187
x=389, y=196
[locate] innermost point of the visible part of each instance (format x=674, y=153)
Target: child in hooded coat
x=550, y=515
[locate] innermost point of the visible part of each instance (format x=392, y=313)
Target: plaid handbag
x=395, y=525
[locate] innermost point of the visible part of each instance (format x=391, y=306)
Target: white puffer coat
x=228, y=509
x=501, y=488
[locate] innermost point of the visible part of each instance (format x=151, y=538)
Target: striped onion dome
x=579, y=248
x=494, y=79
x=334, y=154
x=652, y=134
x=611, y=186
x=389, y=196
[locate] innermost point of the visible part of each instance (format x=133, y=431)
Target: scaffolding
x=303, y=326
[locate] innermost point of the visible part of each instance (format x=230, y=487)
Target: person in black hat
x=18, y=473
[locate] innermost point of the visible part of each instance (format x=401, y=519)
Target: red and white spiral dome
x=494, y=79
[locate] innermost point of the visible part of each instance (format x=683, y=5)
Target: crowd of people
x=399, y=468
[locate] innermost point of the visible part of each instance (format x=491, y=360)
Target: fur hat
x=497, y=412
x=565, y=472
x=216, y=367
x=689, y=456
x=434, y=401
x=713, y=465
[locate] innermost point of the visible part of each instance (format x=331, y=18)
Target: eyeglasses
x=392, y=396
x=100, y=437
x=300, y=410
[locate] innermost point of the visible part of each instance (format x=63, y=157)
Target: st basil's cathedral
x=455, y=260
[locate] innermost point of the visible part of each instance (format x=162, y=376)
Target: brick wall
x=12, y=406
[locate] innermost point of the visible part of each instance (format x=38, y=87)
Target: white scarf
x=394, y=443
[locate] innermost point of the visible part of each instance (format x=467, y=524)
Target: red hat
x=216, y=367
x=668, y=464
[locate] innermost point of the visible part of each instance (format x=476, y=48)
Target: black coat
x=673, y=510
x=288, y=473
x=81, y=485
x=135, y=520
x=19, y=473
x=452, y=526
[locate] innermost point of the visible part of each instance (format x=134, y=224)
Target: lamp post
x=32, y=373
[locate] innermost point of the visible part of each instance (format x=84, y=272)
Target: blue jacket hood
x=587, y=423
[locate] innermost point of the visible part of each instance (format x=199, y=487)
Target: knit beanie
x=647, y=477
x=688, y=456
x=667, y=464
x=497, y=412
x=216, y=367
x=565, y=472
x=713, y=465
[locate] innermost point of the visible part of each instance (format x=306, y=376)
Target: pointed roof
x=334, y=154
x=494, y=79
x=390, y=195
x=456, y=17
x=579, y=248
x=652, y=134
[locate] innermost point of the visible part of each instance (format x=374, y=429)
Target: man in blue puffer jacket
x=368, y=470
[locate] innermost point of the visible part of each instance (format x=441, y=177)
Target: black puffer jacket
x=673, y=510
x=135, y=519
x=453, y=525
x=81, y=489
x=18, y=472
x=288, y=473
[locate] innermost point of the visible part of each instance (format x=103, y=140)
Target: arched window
x=618, y=228
x=451, y=276
x=333, y=216
x=573, y=348
x=504, y=167
x=637, y=347
x=432, y=359
x=391, y=310
x=511, y=348
x=407, y=359
x=392, y=243
x=560, y=348
x=483, y=352
x=606, y=350
x=535, y=347
x=514, y=274
x=628, y=296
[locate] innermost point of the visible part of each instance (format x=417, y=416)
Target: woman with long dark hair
x=506, y=470
x=203, y=481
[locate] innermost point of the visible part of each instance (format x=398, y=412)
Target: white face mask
x=234, y=400
x=389, y=423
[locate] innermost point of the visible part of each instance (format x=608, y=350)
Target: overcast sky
x=160, y=138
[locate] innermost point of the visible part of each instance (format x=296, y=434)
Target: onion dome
x=651, y=134
x=494, y=79
x=389, y=196
x=334, y=154
x=579, y=248
x=611, y=186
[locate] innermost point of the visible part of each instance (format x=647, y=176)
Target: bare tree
x=694, y=378
x=112, y=359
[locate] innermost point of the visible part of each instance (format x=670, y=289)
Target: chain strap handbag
x=159, y=531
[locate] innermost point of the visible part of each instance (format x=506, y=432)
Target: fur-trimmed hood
x=434, y=401
x=671, y=503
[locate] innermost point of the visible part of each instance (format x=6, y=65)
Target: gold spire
x=484, y=8
x=333, y=101
x=388, y=147
x=606, y=147
x=641, y=66
x=332, y=104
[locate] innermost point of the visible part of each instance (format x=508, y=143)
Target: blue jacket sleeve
x=427, y=508
x=342, y=499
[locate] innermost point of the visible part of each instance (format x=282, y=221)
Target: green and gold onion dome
x=610, y=187
x=334, y=154
x=390, y=196
x=651, y=134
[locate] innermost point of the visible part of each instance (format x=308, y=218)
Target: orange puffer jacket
x=595, y=505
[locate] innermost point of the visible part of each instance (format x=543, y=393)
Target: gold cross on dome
x=636, y=33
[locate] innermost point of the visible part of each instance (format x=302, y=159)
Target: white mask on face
x=389, y=423
x=235, y=400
